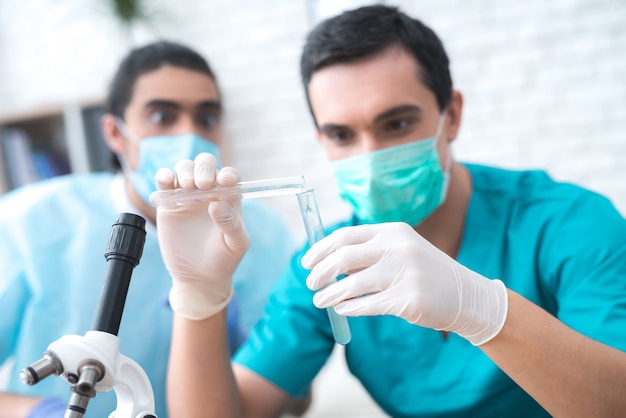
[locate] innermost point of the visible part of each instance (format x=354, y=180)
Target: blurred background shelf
x=45, y=142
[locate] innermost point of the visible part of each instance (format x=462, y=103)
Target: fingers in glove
x=339, y=238
x=228, y=177
x=346, y=260
x=184, y=170
x=228, y=219
x=369, y=305
x=164, y=179
x=353, y=252
x=205, y=170
x=365, y=282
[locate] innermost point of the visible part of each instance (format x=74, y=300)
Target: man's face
x=372, y=104
x=173, y=101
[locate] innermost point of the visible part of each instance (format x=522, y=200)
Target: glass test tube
x=247, y=189
x=315, y=232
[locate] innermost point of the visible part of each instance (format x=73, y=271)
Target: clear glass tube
x=248, y=189
x=315, y=232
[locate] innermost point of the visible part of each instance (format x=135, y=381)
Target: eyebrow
x=329, y=127
x=209, y=104
x=416, y=110
x=399, y=110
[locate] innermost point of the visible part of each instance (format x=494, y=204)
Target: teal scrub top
x=53, y=236
x=560, y=246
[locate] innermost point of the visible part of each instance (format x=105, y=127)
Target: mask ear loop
x=442, y=119
x=121, y=125
x=448, y=165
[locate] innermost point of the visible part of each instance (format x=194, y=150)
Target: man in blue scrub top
x=470, y=290
x=164, y=105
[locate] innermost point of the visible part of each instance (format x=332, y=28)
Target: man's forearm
x=569, y=374
x=200, y=377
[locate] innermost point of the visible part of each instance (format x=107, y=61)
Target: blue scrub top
x=53, y=235
x=560, y=246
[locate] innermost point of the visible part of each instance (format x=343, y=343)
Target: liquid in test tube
x=314, y=233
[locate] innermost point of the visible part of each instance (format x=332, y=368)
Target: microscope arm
x=133, y=391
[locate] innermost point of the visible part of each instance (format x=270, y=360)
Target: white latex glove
x=392, y=270
x=201, y=244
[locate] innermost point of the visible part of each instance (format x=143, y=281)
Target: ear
x=318, y=135
x=453, y=115
x=112, y=135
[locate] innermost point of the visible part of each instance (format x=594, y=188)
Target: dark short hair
x=149, y=58
x=366, y=31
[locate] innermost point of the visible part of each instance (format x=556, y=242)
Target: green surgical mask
x=404, y=183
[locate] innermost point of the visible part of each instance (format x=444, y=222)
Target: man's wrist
x=483, y=308
x=493, y=320
x=198, y=302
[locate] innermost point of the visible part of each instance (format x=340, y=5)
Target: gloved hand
x=201, y=244
x=48, y=408
x=392, y=270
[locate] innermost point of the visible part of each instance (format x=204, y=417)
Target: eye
x=163, y=117
x=398, y=125
x=208, y=120
x=339, y=135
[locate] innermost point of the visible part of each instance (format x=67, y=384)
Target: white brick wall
x=544, y=85
x=544, y=82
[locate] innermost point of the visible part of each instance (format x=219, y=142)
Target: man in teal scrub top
x=470, y=290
